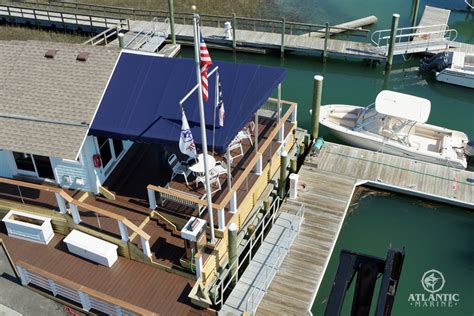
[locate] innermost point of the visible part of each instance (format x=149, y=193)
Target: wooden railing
x=186, y=18
x=58, y=17
x=87, y=297
x=62, y=197
x=191, y=200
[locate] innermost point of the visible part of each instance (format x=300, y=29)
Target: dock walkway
x=330, y=180
x=251, y=287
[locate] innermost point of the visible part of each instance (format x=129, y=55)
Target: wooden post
x=391, y=46
x=61, y=203
x=283, y=27
x=267, y=204
x=171, y=9
x=293, y=165
x=198, y=263
x=121, y=40
x=145, y=246
x=317, y=92
x=233, y=254
x=283, y=175
x=416, y=5
x=123, y=231
x=326, y=37
x=76, y=217
x=234, y=27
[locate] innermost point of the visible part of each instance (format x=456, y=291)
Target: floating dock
x=329, y=180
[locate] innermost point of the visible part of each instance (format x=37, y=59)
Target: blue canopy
x=141, y=101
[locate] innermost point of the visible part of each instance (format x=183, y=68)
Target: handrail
x=175, y=229
x=240, y=180
x=469, y=4
x=186, y=17
x=78, y=287
x=71, y=200
x=419, y=30
x=257, y=233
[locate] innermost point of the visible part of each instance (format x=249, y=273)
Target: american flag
x=205, y=62
x=220, y=104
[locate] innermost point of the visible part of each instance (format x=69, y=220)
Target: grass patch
x=22, y=33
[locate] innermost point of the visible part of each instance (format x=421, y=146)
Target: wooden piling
x=233, y=254
x=283, y=28
x=416, y=5
x=171, y=9
x=283, y=175
x=317, y=93
x=234, y=27
x=391, y=46
x=293, y=165
x=326, y=37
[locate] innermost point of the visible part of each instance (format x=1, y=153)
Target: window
x=24, y=161
x=104, y=150
x=35, y=165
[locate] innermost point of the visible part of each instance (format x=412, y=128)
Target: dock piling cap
x=396, y=15
x=318, y=78
x=232, y=227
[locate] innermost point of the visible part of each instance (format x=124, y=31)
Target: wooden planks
x=326, y=199
x=330, y=181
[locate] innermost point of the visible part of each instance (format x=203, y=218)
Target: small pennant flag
x=204, y=62
x=186, y=140
x=220, y=104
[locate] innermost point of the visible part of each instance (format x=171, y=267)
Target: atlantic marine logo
x=433, y=282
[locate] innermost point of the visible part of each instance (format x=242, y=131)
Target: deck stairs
x=253, y=283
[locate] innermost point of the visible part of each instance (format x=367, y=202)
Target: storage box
x=91, y=248
x=28, y=226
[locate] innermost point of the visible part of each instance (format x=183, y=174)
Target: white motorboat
x=396, y=124
x=452, y=67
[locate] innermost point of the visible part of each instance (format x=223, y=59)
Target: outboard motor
x=469, y=152
x=437, y=62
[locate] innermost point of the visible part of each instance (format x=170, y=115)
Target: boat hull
x=378, y=143
x=457, y=78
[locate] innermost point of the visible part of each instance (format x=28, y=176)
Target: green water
x=435, y=236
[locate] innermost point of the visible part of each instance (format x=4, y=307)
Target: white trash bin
x=228, y=30
x=294, y=186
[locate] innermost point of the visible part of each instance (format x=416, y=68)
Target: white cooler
x=294, y=186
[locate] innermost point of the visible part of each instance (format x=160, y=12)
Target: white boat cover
x=403, y=106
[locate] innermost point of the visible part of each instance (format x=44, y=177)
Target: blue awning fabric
x=141, y=101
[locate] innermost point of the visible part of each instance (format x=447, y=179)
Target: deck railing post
x=85, y=301
x=326, y=37
x=317, y=92
x=151, y=199
x=258, y=166
x=171, y=9
x=416, y=5
x=76, y=217
x=233, y=253
x=145, y=246
x=61, y=203
x=123, y=231
x=23, y=275
x=233, y=203
x=391, y=45
x=294, y=116
x=198, y=263
x=234, y=28
x=221, y=219
x=283, y=27
x=121, y=38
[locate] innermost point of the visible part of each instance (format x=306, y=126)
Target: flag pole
x=203, y=126
x=215, y=107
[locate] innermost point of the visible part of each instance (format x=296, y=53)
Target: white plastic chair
x=235, y=145
x=213, y=181
x=178, y=168
x=246, y=133
x=220, y=168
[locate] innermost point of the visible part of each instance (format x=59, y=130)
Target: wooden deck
x=433, y=16
x=326, y=201
x=136, y=283
x=330, y=180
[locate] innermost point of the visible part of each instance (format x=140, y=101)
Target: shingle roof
x=47, y=104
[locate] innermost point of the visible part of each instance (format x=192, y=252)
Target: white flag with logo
x=220, y=104
x=186, y=140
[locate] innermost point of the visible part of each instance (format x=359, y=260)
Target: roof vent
x=50, y=53
x=82, y=56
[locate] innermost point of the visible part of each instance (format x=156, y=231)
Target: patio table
x=198, y=167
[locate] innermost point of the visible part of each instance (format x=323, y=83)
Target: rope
x=404, y=169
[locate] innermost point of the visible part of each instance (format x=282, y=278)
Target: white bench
x=91, y=248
